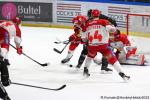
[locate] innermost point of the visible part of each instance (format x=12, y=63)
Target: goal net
x=138, y=24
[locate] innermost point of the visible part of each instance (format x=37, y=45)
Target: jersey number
x=96, y=36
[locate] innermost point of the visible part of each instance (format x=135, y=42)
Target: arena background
x=59, y=13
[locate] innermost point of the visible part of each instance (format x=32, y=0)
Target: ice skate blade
x=85, y=76
x=126, y=79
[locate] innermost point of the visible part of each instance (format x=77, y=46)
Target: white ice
x=38, y=43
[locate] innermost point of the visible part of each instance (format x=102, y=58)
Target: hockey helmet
x=16, y=20
x=81, y=19
x=74, y=20
x=95, y=13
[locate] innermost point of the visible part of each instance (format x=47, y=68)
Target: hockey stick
x=60, y=41
x=55, y=89
x=60, y=51
x=45, y=64
x=64, y=42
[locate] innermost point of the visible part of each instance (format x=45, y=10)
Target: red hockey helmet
x=81, y=19
x=16, y=20
x=74, y=20
x=95, y=13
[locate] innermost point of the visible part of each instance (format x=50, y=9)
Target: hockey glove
x=19, y=50
x=72, y=38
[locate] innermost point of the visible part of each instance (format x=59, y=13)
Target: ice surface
x=38, y=43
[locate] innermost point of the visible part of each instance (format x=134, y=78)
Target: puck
x=70, y=65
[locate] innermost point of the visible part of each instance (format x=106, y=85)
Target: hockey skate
x=77, y=67
x=66, y=60
x=106, y=70
x=125, y=77
x=86, y=72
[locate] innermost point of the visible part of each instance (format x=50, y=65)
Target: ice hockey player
x=8, y=30
x=126, y=50
x=102, y=16
x=97, y=36
x=104, y=66
x=74, y=39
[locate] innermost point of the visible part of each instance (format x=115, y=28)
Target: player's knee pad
x=4, y=73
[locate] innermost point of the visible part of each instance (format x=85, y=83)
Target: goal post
x=138, y=24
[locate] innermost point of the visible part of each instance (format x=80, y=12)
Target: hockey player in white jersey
x=8, y=30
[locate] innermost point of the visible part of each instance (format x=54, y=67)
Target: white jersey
x=97, y=35
x=10, y=27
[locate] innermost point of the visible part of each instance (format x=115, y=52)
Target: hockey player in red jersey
x=74, y=39
x=103, y=61
x=8, y=30
x=97, y=36
x=126, y=50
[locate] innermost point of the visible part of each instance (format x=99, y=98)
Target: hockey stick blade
x=45, y=64
x=57, y=42
x=60, y=88
x=63, y=42
x=56, y=50
x=54, y=89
